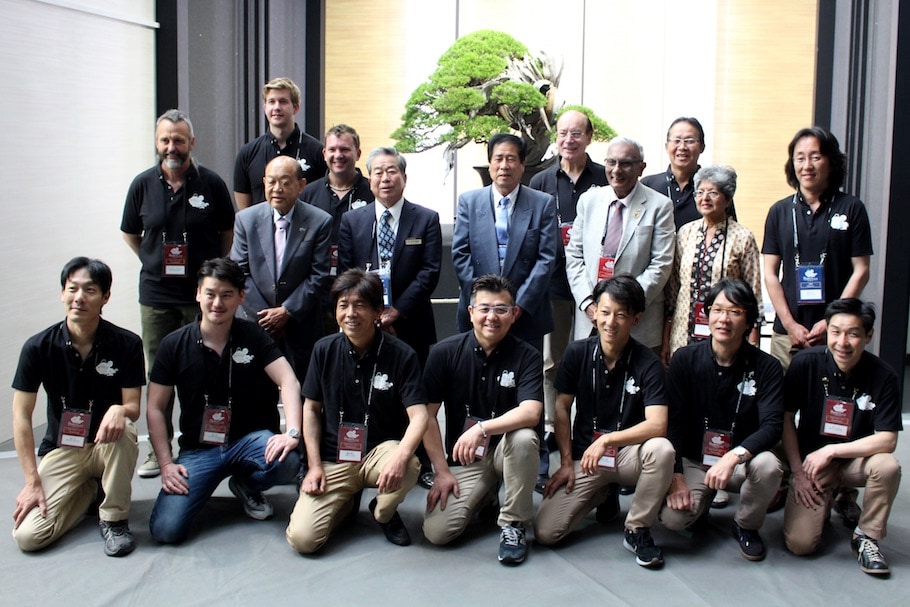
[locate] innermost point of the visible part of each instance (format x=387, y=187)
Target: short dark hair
x=739, y=293
x=829, y=147
x=855, y=307
x=492, y=283
x=365, y=284
x=222, y=268
x=692, y=121
x=500, y=138
x=97, y=269
x=624, y=290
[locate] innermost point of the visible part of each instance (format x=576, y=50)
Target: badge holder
x=333, y=260
x=608, y=460
x=701, y=328
x=482, y=448
x=175, y=259
x=605, y=267
x=565, y=231
x=715, y=445
x=810, y=285
x=74, y=427
x=352, y=442
x=385, y=276
x=216, y=425
x=838, y=417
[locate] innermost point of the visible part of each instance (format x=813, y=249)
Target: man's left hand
x=273, y=319
x=112, y=425
x=392, y=474
x=278, y=446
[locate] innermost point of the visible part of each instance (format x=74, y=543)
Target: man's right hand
x=31, y=495
x=679, y=497
x=443, y=485
x=799, y=336
x=314, y=481
x=173, y=479
x=590, y=311
x=809, y=494
x=565, y=475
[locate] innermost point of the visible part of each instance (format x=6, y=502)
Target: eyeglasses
x=574, y=134
x=734, y=313
x=688, y=141
x=497, y=310
x=709, y=194
x=625, y=165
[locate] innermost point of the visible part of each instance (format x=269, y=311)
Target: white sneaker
x=255, y=504
x=149, y=468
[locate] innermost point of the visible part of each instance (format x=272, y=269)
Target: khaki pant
x=514, y=461
x=756, y=481
x=315, y=516
x=649, y=465
x=880, y=474
x=781, y=349
x=68, y=477
x=554, y=346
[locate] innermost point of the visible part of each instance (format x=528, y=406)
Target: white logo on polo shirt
x=839, y=222
x=507, y=379
x=631, y=388
x=747, y=386
x=303, y=164
x=197, y=201
x=358, y=203
x=242, y=356
x=381, y=382
x=106, y=368
x=864, y=402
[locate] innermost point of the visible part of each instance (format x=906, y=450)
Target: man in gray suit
x=283, y=248
x=623, y=228
x=510, y=230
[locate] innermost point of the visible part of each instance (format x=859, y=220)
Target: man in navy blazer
x=416, y=252
x=511, y=230
x=284, y=301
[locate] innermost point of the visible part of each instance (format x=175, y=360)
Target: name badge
x=605, y=268
x=810, y=285
x=565, y=230
x=175, y=259
x=410, y=242
x=216, y=424
x=608, y=460
x=838, y=417
x=700, y=329
x=714, y=446
x=74, y=426
x=482, y=448
x=352, y=442
x=385, y=276
x=333, y=260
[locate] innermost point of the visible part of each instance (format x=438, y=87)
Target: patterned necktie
x=281, y=242
x=386, y=237
x=502, y=228
x=614, y=230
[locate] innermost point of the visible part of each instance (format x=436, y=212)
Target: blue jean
x=173, y=513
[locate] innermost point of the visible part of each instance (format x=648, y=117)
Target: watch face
x=294, y=433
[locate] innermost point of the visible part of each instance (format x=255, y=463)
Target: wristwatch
x=741, y=452
x=293, y=433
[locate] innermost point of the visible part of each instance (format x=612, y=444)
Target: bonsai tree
x=487, y=82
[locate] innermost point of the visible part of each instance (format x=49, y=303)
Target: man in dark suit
x=283, y=248
x=511, y=230
x=407, y=256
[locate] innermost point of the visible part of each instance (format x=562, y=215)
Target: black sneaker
x=848, y=510
x=426, y=479
x=609, y=509
x=869, y=556
x=751, y=545
x=118, y=541
x=394, y=530
x=642, y=545
x=512, y=546
x=541, y=483
x=254, y=503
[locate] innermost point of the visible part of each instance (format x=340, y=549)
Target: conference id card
x=333, y=261
x=837, y=419
x=810, y=285
x=175, y=259
x=352, y=443
x=608, y=460
x=216, y=424
x=605, y=267
x=483, y=447
x=700, y=328
x=385, y=276
x=565, y=231
x=714, y=446
x=74, y=427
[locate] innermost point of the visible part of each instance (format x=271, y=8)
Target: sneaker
x=149, y=468
x=394, y=529
x=642, y=545
x=254, y=503
x=848, y=510
x=626, y=489
x=541, y=483
x=512, y=546
x=426, y=479
x=751, y=545
x=609, y=509
x=869, y=556
x=118, y=541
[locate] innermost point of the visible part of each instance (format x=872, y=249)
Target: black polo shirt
x=185, y=362
x=459, y=374
x=557, y=182
x=684, y=209
x=49, y=359
x=202, y=209
x=387, y=377
x=699, y=389
x=249, y=167
x=320, y=195
x=839, y=227
x=872, y=386
x=636, y=381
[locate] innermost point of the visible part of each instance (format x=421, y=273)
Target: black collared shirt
x=684, y=208
x=557, y=182
x=321, y=195
x=699, y=389
x=202, y=209
x=459, y=374
x=249, y=167
x=196, y=370
x=49, y=359
x=636, y=381
x=387, y=377
x=841, y=223
x=872, y=386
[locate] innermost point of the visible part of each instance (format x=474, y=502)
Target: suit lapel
x=518, y=227
x=266, y=231
x=486, y=226
x=632, y=218
x=296, y=235
x=405, y=225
